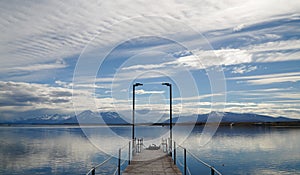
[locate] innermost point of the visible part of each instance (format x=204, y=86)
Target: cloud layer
x=41, y=41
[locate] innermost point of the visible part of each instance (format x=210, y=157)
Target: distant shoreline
x=230, y=124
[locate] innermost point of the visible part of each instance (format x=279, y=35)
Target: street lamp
x=133, y=107
x=171, y=123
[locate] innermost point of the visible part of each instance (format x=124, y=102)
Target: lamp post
x=171, y=123
x=133, y=106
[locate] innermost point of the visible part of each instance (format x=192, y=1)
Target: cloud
x=21, y=99
x=25, y=94
x=142, y=91
x=243, y=69
x=239, y=27
x=37, y=36
x=198, y=59
x=282, y=50
x=58, y=64
x=269, y=78
x=38, y=33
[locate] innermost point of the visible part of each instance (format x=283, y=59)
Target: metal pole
x=174, y=153
x=167, y=148
x=129, y=154
x=171, y=123
x=212, y=171
x=133, y=108
x=184, y=156
x=119, y=162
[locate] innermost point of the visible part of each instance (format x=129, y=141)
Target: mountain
x=47, y=119
x=90, y=117
x=112, y=118
x=229, y=117
x=85, y=117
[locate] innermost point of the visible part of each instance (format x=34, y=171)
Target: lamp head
x=138, y=84
x=166, y=84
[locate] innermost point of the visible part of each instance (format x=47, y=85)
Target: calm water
x=67, y=150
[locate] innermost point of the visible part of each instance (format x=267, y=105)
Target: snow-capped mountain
x=85, y=117
x=90, y=117
x=47, y=119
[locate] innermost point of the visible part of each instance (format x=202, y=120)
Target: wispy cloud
x=58, y=64
x=243, y=69
x=36, y=33
x=142, y=91
x=37, y=36
x=269, y=78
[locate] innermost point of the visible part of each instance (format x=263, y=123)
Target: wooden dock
x=152, y=162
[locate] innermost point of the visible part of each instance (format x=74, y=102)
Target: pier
x=152, y=160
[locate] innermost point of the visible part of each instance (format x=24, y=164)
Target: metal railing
x=136, y=147
x=213, y=170
x=133, y=147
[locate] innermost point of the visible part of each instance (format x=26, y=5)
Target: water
x=67, y=150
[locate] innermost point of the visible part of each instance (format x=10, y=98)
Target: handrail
x=101, y=164
x=206, y=164
x=213, y=169
x=118, y=169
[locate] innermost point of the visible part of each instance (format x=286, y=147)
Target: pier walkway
x=152, y=162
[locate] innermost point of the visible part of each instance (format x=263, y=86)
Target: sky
x=69, y=56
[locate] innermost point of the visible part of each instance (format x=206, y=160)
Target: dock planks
x=152, y=162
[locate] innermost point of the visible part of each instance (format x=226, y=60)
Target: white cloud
x=269, y=78
x=200, y=59
x=59, y=64
x=21, y=97
x=37, y=33
x=243, y=69
x=239, y=27
x=142, y=91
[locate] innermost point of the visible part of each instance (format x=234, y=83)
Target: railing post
x=170, y=145
x=93, y=171
x=119, y=162
x=129, y=154
x=212, y=171
x=184, y=157
x=174, y=153
x=167, y=149
x=140, y=145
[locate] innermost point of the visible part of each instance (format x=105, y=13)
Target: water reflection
x=252, y=150
x=46, y=151
x=66, y=150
